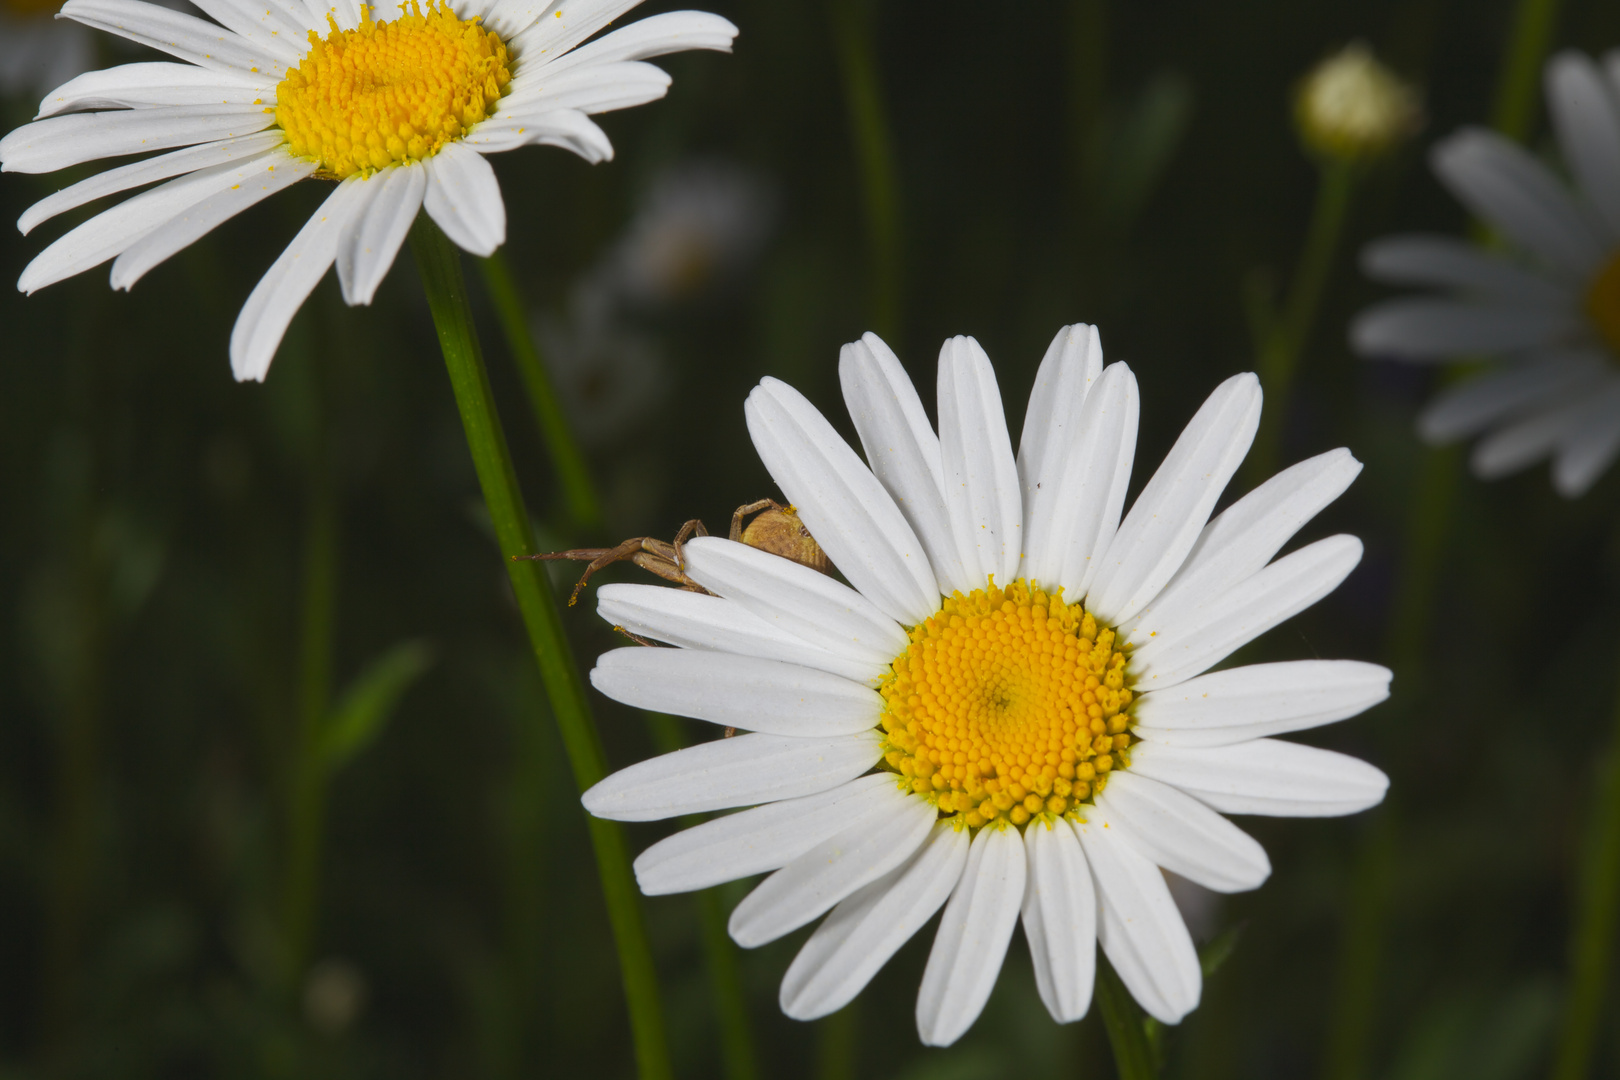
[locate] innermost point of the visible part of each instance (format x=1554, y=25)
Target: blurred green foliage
x=1129, y=165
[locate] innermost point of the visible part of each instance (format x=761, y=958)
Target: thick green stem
x=579, y=494
x=1591, y=952
x=306, y=803
x=1519, y=86
x=874, y=146
x=439, y=263
x=1280, y=351
x=1126, y=1025
x=836, y=1038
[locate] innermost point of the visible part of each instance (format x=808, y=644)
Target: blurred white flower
x=1351, y=107
x=1547, y=309
x=609, y=377
x=698, y=228
x=335, y=994
x=37, y=50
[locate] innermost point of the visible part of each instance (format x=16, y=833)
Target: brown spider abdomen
x=780, y=532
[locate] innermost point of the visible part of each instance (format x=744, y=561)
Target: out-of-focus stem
x=439, y=264
x=306, y=804
x=874, y=146
x=1518, y=89
x=579, y=494
x=1126, y=1025
x=836, y=1040
x=737, y=1053
x=1280, y=350
x=1597, y=903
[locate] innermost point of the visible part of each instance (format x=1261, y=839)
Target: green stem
x=836, y=1044
x=579, y=494
x=1280, y=351
x=1126, y=1025
x=439, y=263
x=874, y=146
x=1519, y=86
x=306, y=806
x=737, y=1052
x=1592, y=945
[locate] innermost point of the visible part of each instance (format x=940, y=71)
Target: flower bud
x=1350, y=107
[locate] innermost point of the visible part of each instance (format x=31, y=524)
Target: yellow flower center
x=1603, y=302
x=1008, y=704
x=390, y=92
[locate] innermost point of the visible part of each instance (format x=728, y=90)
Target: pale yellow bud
x=1352, y=108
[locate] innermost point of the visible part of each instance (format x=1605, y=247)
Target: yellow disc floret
x=390, y=92
x=1008, y=704
x=1603, y=302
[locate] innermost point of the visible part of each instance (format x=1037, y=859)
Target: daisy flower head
x=1544, y=308
x=397, y=104
x=1008, y=711
x=1350, y=107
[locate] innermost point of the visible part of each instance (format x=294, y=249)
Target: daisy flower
x=1545, y=309
x=1008, y=711
x=37, y=51
x=399, y=105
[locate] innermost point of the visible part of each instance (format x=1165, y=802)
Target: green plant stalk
x=584, y=509
x=737, y=1053
x=1592, y=944
x=439, y=264
x=874, y=147
x=836, y=1044
x=306, y=804
x=1281, y=348
x=1126, y=1026
x=1518, y=88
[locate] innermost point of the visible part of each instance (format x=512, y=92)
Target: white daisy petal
x=972, y=938
x=841, y=503
x=982, y=494
x=1183, y=835
x=1429, y=329
x=1498, y=180
x=1247, y=610
x=1590, y=449
x=368, y=249
x=740, y=771
x=1479, y=403
x=48, y=145
x=595, y=88
x=1139, y=927
x=186, y=37
x=569, y=129
x=796, y=599
x=860, y=935
x=902, y=450
x=1170, y=513
x=464, y=199
x=759, y=840
x=674, y=31
x=1060, y=918
x=262, y=26
x=1052, y=428
x=1449, y=263
x=1265, y=776
x=1524, y=442
x=810, y=885
x=290, y=279
x=1237, y=543
x=130, y=86
x=272, y=173
x=697, y=621
x=111, y=231
x=138, y=173
x=1245, y=703
x=1587, y=118
x=564, y=24
x=737, y=691
x=1095, y=476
